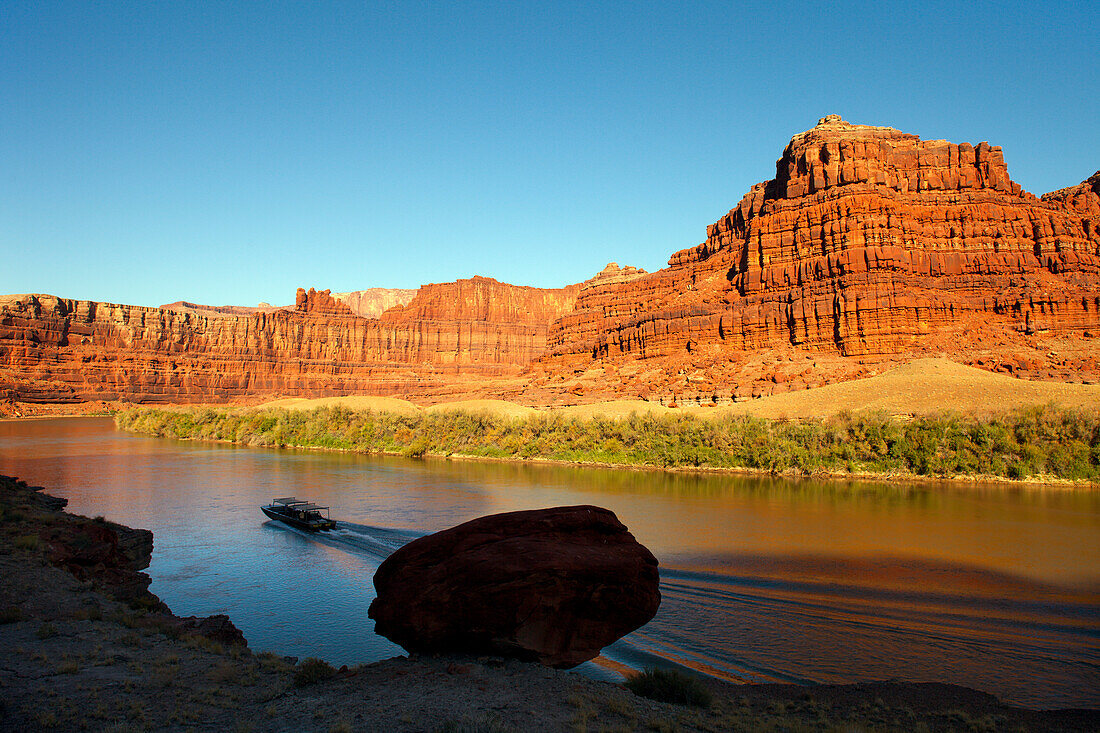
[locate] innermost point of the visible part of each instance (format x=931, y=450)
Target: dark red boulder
x=553, y=585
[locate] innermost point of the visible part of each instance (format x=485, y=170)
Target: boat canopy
x=300, y=505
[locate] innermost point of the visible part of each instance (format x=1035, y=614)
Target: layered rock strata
x=57, y=350
x=868, y=241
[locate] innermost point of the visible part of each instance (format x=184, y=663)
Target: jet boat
x=299, y=513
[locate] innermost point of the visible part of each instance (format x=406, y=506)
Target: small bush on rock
x=666, y=685
x=11, y=615
x=27, y=542
x=313, y=670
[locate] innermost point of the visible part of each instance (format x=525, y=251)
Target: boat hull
x=309, y=526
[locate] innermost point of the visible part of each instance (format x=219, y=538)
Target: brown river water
x=763, y=579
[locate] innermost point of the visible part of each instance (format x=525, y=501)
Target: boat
x=299, y=513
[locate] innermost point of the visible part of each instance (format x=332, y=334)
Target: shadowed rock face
x=553, y=585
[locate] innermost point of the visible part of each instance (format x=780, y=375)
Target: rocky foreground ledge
x=85, y=646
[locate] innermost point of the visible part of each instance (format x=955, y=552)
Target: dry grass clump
x=28, y=542
x=666, y=685
x=11, y=615
x=313, y=670
x=494, y=408
x=349, y=402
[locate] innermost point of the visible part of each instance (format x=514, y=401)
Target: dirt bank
x=84, y=646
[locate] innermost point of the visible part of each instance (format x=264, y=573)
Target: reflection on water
x=763, y=579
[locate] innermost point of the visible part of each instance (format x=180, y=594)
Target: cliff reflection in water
x=763, y=579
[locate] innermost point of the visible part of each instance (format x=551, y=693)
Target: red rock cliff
x=53, y=349
x=867, y=241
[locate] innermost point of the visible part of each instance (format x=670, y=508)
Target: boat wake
x=832, y=620
x=375, y=543
x=758, y=618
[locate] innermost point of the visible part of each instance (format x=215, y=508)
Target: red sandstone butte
x=868, y=241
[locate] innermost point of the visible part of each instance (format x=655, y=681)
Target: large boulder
x=553, y=585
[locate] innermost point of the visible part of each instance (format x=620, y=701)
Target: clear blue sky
x=227, y=153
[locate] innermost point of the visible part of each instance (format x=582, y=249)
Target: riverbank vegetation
x=1036, y=442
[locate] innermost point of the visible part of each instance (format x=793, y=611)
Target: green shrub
x=28, y=542
x=313, y=670
x=666, y=685
x=1045, y=441
x=11, y=615
x=483, y=724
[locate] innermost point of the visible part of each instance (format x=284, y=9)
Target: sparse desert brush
x=69, y=666
x=91, y=613
x=28, y=542
x=203, y=643
x=666, y=685
x=225, y=672
x=313, y=670
x=482, y=724
x=271, y=662
x=11, y=615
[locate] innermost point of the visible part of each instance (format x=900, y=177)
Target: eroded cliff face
x=868, y=241
x=57, y=350
x=475, y=321
x=373, y=302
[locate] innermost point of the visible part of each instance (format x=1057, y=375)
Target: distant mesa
x=373, y=302
x=869, y=246
x=550, y=585
x=612, y=274
x=369, y=303
x=184, y=306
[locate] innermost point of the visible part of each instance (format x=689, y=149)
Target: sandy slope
x=920, y=387
x=352, y=402
x=500, y=408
